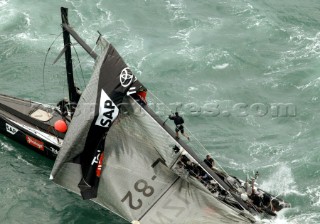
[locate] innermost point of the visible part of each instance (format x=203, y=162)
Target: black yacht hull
x=19, y=122
x=28, y=139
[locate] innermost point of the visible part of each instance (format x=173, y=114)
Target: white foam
x=27, y=18
x=6, y=146
x=75, y=3
x=177, y=9
x=308, y=218
x=214, y=59
x=215, y=21
x=314, y=83
x=223, y=66
x=310, y=46
x=7, y=16
x=264, y=148
x=3, y=3
x=314, y=194
x=19, y=157
x=281, y=182
x=143, y=59
x=277, y=220
x=192, y=88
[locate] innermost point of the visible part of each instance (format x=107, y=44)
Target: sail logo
x=126, y=77
x=98, y=159
x=108, y=111
x=35, y=142
x=10, y=129
x=54, y=151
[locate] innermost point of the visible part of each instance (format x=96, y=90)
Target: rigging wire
x=74, y=67
x=184, y=125
x=73, y=46
x=45, y=61
x=191, y=134
x=79, y=64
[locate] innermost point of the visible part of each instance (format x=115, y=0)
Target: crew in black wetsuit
x=63, y=106
x=178, y=121
x=209, y=161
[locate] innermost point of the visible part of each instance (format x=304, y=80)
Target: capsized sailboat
x=120, y=154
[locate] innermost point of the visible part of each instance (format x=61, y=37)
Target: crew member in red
x=142, y=93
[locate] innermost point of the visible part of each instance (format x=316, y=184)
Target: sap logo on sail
x=126, y=77
x=108, y=111
x=12, y=130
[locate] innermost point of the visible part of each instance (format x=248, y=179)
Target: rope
x=79, y=64
x=45, y=61
x=75, y=71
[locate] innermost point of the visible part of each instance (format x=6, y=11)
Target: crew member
x=178, y=121
x=63, y=106
x=142, y=94
x=209, y=161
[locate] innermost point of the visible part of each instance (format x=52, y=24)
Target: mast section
x=73, y=93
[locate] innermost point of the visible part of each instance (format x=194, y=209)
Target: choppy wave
x=193, y=51
x=314, y=194
x=3, y=3
x=281, y=182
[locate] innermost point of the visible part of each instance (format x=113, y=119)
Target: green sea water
x=246, y=73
